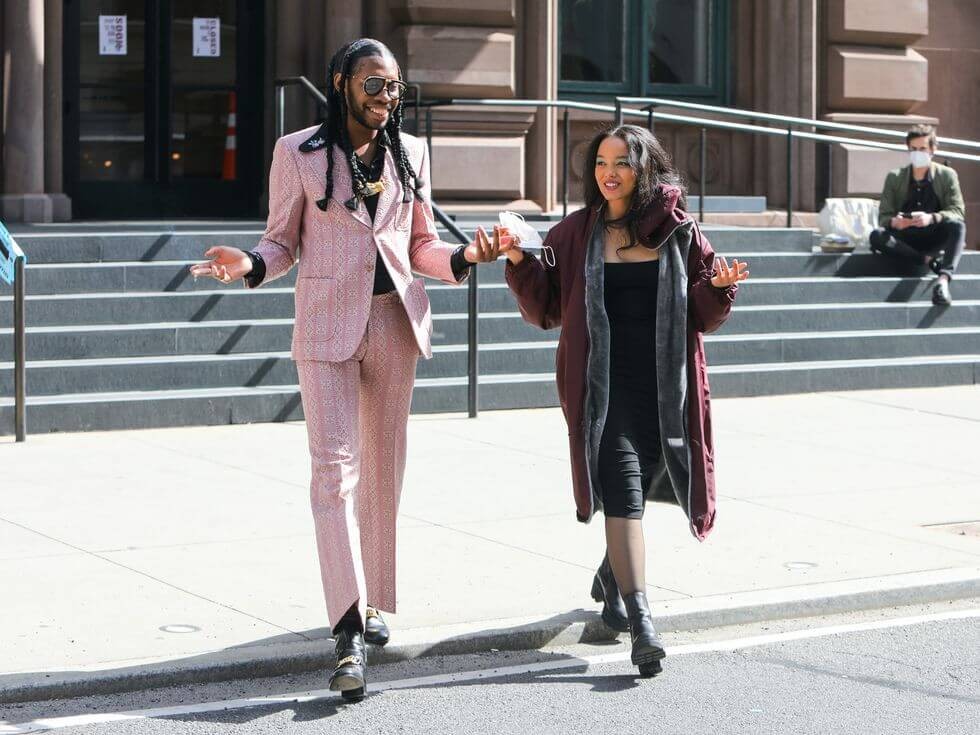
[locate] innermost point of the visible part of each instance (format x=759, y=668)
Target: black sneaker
x=940, y=293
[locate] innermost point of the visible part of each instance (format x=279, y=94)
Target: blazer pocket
x=403, y=216
x=316, y=309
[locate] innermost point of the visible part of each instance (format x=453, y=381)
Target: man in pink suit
x=349, y=203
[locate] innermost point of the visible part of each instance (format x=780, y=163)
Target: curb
x=579, y=626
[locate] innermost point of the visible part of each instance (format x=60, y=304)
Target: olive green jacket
x=944, y=181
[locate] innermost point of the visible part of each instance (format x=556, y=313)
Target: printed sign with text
x=207, y=36
x=112, y=35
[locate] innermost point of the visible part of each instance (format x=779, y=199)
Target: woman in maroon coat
x=633, y=284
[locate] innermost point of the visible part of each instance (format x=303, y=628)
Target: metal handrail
x=473, y=304
x=472, y=318
x=281, y=85
x=565, y=105
x=789, y=134
x=20, y=333
x=653, y=102
x=651, y=115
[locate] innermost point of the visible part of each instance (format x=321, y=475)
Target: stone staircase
x=121, y=336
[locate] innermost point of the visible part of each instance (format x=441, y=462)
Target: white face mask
x=920, y=159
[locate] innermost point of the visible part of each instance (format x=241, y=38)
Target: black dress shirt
x=922, y=196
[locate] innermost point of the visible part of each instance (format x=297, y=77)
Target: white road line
x=57, y=723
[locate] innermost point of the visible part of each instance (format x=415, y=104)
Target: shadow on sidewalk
x=304, y=652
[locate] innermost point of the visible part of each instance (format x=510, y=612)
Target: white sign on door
x=112, y=35
x=207, y=36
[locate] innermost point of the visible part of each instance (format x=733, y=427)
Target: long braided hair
x=344, y=62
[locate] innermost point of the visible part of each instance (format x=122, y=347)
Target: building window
x=594, y=42
x=644, y=48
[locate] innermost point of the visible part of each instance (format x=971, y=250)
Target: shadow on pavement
x=307, y=651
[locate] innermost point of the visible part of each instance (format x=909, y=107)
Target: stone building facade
x=146, y=133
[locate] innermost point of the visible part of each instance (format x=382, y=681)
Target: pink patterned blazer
x=336, y=249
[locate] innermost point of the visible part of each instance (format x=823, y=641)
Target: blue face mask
x=920, y=159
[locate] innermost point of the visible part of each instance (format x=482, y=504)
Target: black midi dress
x=630, y=446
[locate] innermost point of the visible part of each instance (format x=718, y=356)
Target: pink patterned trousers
x=356, y=420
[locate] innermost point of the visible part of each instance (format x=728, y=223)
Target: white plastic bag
x=527, y=236
x=850, y=217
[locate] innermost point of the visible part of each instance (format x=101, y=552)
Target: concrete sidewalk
x=143, y=558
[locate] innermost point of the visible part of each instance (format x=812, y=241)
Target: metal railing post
x=830, y=171
x=566, y=127
x=619, y=112
x=650, y=119
x=472, y=344
x=418, y=105
x=280, y=111
x=20, y=353
x=428, y=133
x=789, y=177
x=472, y=320
x=702, y=184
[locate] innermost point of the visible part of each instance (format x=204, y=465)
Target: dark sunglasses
x=374, y=85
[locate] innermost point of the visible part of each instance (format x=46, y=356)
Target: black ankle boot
x=349, y=674
x=605, y=590
x=648, y=650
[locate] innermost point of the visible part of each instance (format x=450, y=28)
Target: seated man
x=921, y=215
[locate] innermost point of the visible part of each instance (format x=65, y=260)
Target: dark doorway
x=163, y=108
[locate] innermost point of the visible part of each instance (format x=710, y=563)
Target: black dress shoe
x=648, y=650
x=375, y=629
x=348, y=676
x=606, y=591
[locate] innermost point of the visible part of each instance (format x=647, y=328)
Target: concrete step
x=248, y=370
x=777, y=348
x=228, y=337
x=850, y=316
x=841, y=265
x=730, y=381
x=169, y=276
x=128, y=244
x=278, y=302
x=148, y=409
x=235, y=310
x=219, y=406
x=726, y=204
x=181, y=371
x=821, y=289
x=272, y=367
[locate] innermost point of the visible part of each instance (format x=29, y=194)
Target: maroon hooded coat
x=569, y=294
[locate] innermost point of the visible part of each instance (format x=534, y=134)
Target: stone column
x=460, y=50
x=23, y=198
x=874, y=77
x=54, y=182
x=538, y=42
x=290, y=52
x=785, y=76
x=344, y=22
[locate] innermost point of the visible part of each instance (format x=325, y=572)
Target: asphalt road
x=899, y=671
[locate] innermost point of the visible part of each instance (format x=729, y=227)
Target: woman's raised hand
x=725, y=276
x=486, y=250
x=226, y=265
